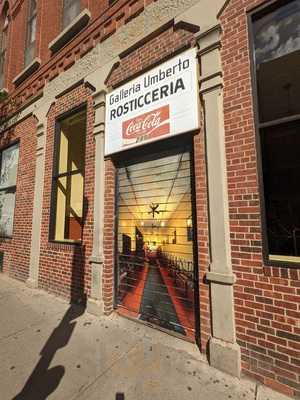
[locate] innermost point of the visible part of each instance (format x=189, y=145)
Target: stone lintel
x=185, y=25
x=70, y=31
x=27, y=71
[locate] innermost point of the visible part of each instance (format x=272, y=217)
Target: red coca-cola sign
x=146, y=126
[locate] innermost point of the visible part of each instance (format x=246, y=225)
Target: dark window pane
x=281, y=171
x=277, y=58
x=2, y=64
x=29, y=54
x=31, y=33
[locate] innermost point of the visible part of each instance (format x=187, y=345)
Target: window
x=276, y=33
x=71, y=8
x=68, y=179
x=8, y=180
x=3, y=43
x=31, y=33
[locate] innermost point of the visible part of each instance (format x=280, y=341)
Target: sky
x=277, y=33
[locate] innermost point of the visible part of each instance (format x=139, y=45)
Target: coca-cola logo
x=146, y=126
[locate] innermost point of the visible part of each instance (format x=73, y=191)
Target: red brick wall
x=105, y=20
x=109, y=236
x=17, y=249
x=267, y=299
x=165, y=44
x=202, y=236
x=64, y=268
x=16, y=52
x=46, y=32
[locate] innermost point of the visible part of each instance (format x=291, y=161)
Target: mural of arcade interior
x=155, y=244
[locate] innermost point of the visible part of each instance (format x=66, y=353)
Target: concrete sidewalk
x=51, y=350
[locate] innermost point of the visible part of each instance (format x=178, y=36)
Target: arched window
x=3, y=42
x=31, y=33
x=71, y=8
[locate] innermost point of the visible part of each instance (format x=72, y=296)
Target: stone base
x=95, y=307
x=32, y=283
x=225, y=356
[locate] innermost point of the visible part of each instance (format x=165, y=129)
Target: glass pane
x=70, y=12
x=9, y=166
x=32, y=7
x=32, y=30
x=277, y=58
x=2, y=61
x=281, y=169
x=3, y=40
x=69, y=208
x=7, y=206
x=72, y=144
x=29, y=54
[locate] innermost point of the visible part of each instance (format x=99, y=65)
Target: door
x=156, y=280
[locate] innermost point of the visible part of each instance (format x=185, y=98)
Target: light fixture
x=189, y=229
x=189, y=222
x=154, y=209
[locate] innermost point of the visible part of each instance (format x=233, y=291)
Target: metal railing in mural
x=181, y=270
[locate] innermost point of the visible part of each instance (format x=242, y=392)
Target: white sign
x=158, y=104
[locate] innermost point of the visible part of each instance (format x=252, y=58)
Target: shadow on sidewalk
x=43, y=381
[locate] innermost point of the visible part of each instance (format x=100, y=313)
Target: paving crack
x=256, y=392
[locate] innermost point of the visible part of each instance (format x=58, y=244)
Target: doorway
x=155, y=278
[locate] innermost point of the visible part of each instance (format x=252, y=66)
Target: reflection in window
x=69, y=179
x=277, y=60
x=71, y=8
x=31, y=33
x=277, y=56
x=8, y=180
x=3, y=43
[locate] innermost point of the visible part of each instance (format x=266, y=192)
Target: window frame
x=253, y=15
x=65, y=11
x=3, y=51
x=56, y=175
x=30, y=46
x=13, y=143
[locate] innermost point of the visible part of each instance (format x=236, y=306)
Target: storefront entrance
x=155, y=243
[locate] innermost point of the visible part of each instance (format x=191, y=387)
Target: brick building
x=149, y=164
